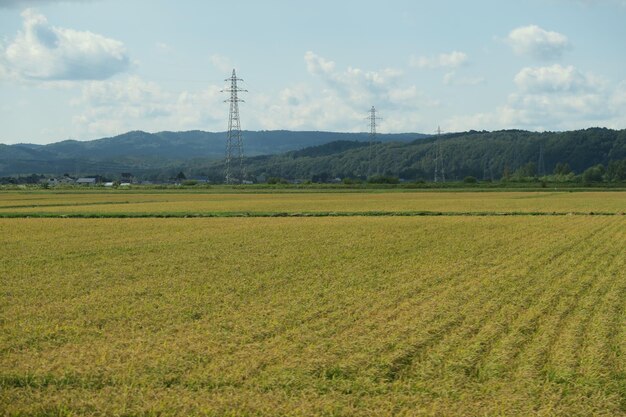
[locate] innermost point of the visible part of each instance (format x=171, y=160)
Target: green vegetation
x=510, y=155
x=502, y=157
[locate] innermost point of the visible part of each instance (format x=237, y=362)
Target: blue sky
x=85, y=69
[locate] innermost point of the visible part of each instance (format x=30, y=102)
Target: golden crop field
x=335, y=316
x=112, y=203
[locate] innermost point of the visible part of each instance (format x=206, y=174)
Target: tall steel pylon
x=372, y=138
x=541, y=165
x=440, y=172
x=234, y=171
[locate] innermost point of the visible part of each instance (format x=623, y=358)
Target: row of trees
x=614, y=172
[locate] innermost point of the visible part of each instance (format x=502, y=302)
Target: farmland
x=353, y=315
x=183, y=203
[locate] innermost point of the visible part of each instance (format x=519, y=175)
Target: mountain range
x=310, y=155
x=140, y=151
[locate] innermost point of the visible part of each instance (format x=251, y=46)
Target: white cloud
x=619, y=96
x=342, y=101
x=115, y=106
x=451, y=60
x=22, y=3
x=299, y=108
x=359, y=88
x=222, y=63
x=553, y=97
x=451, y=78
x=556, y=78
x=537, y=42
x=317, y=65
x=46, y=53
x=132, y=90
x=566, y=111
x=162, y=46
x=618, y=106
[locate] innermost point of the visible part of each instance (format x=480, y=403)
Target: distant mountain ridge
x=309, y=155
x=138, y=150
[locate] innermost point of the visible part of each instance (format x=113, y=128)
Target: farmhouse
x=86, y=181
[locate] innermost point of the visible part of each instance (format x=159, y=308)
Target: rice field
x=112, y=203
x=336, y=316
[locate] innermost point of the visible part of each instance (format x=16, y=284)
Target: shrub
x=594, y=174
x=383, y=179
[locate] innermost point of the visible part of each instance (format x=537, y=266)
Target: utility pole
x=440, y=172
x=234, y=171
x=372, y=138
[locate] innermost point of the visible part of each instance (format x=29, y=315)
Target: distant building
x=127, y=177
x=58, y=181
x=86, y=181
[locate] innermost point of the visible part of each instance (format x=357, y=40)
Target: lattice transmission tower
x=372, y=138
x=541, y=164
x=440, y=171
x=234, y=171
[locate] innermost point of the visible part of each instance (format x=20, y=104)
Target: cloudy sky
x=85, y=69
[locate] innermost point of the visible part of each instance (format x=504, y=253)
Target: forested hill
x=484, y=155
x=139, y=151
x=309, y=155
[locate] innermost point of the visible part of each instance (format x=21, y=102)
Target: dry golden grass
x=316, y=316
x=168, y=202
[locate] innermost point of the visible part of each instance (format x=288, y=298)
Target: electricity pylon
x=440, y=172
x=372, y=119
x=541, y=165
x=234, y=172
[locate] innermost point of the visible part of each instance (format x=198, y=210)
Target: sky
x=86, y=69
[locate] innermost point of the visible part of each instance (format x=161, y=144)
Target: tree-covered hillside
x=314, y=155
x=483, y=155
